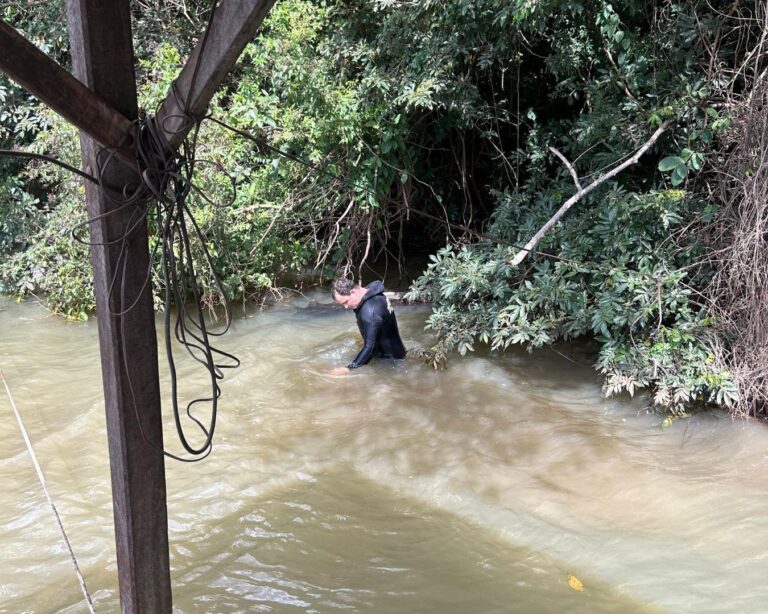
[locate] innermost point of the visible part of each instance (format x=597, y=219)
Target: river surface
x=396, y=488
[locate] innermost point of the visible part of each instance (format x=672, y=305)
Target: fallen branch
x=582, y=192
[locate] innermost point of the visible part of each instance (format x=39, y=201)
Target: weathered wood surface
x=69, y=97
x=234, y=25
x=102, y=53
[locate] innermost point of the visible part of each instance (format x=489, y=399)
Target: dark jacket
x=378, y=326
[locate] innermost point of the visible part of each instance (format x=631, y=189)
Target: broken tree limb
x=571, y=168
x=582, y=192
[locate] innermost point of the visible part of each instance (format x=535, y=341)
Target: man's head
x=347, y=293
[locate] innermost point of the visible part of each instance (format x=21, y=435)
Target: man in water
x=375, y=319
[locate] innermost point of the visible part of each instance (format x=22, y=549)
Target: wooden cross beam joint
x=234, y=25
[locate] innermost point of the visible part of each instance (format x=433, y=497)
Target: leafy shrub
x=616, y=278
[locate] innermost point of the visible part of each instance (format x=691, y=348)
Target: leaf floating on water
x=667, y=422
x=575, y=583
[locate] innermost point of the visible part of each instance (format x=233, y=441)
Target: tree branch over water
x=582, y=192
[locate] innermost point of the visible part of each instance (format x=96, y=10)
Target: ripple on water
x=394, y=489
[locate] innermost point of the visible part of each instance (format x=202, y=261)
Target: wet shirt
x=378, y=326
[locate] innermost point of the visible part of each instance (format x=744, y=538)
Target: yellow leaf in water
x=575, y=583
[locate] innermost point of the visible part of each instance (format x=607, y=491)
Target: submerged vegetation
x=386, y=131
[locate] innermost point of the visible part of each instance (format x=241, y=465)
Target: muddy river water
x=477, y=489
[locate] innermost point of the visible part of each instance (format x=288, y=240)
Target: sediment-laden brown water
x=394, y=489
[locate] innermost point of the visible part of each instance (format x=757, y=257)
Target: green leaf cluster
x=616, y=278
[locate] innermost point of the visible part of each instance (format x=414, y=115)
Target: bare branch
x=619, y=76
x=582, y=192
x=569, y=166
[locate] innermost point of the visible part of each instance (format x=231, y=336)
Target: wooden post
x=102, y=58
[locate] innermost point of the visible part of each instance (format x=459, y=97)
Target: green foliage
x=45, y=260
x=20, y=113
x=423, y=119
x=17, y=215
x=617, y=278
x=623, y=266
x=54, y=265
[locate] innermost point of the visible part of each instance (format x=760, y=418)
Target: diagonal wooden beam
x=234, y=25
x=70, y=98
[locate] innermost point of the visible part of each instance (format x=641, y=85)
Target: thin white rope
x=47, y=494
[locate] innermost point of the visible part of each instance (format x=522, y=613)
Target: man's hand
x=338, y=371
